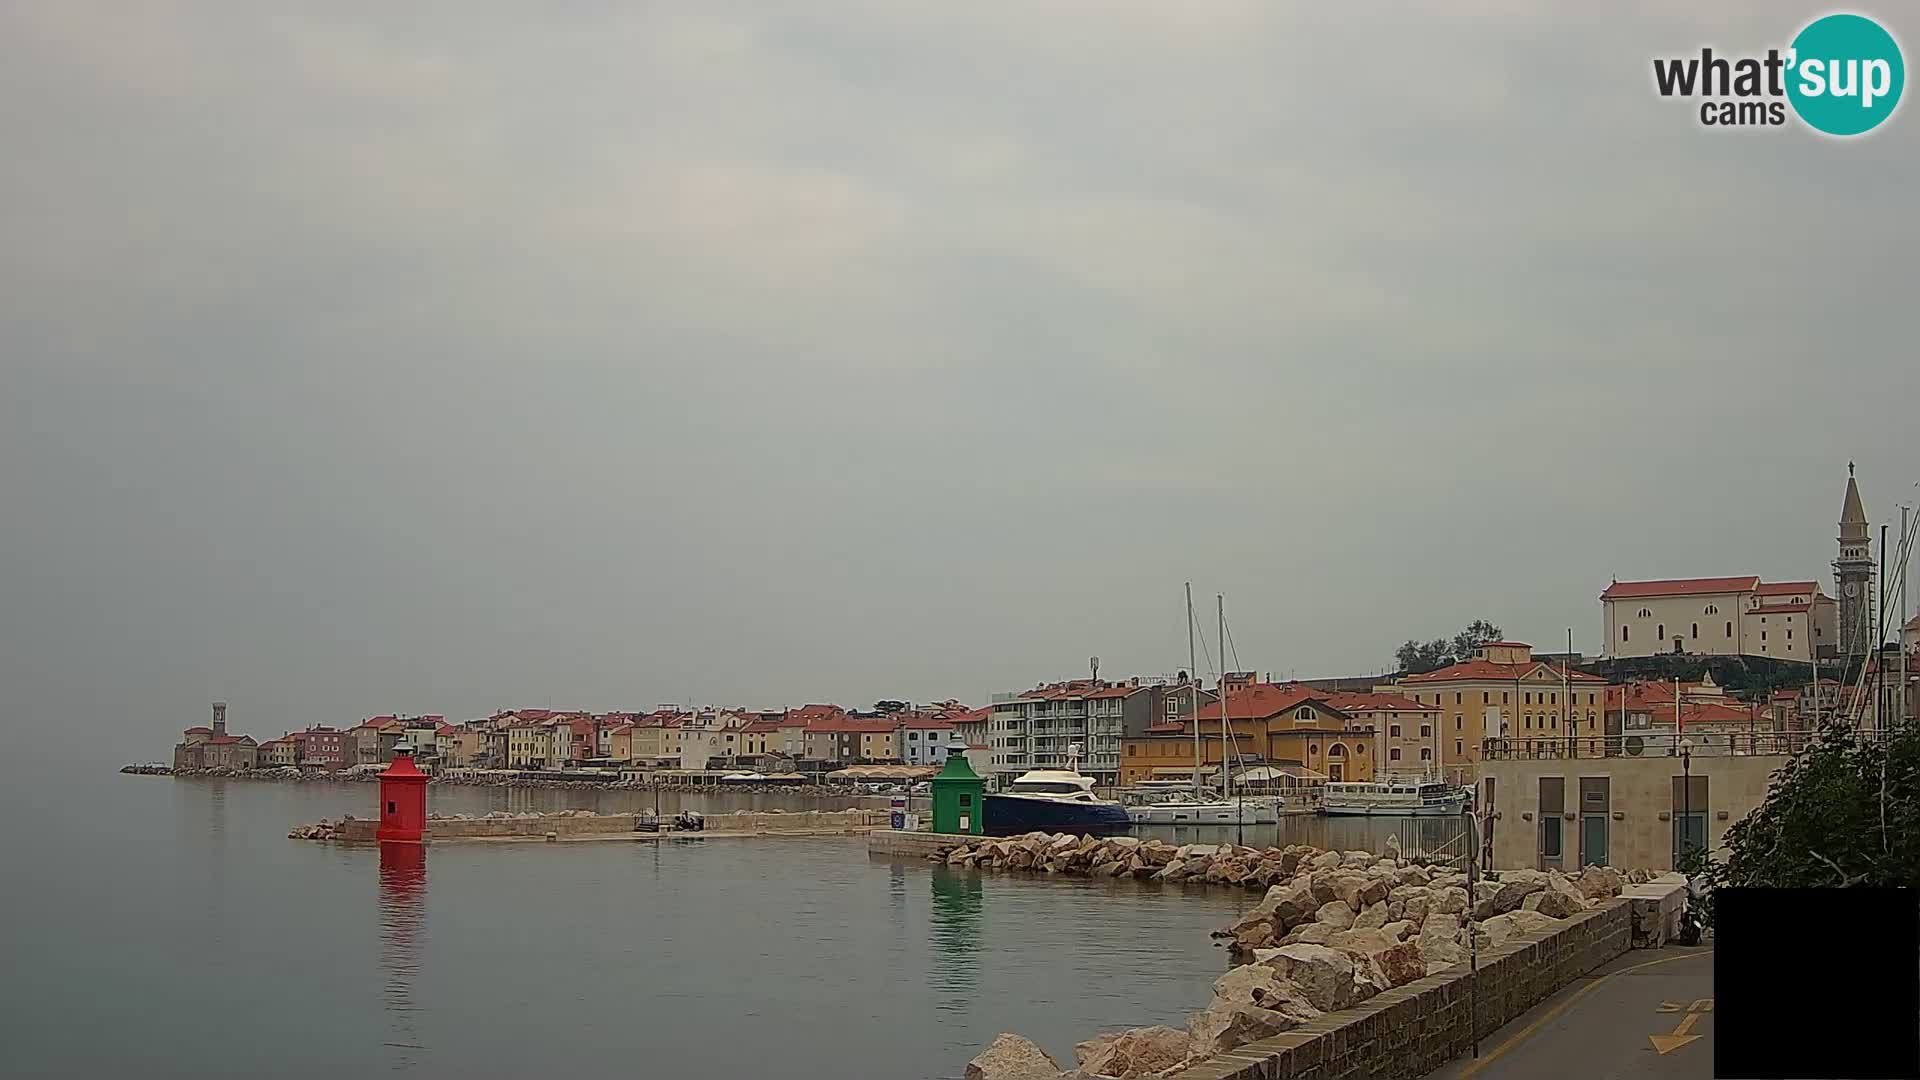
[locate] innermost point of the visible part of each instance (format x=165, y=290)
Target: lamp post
x=1686, y=794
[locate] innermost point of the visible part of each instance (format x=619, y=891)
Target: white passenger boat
x=1393, y=797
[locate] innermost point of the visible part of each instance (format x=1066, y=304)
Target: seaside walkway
x=1644, y=1014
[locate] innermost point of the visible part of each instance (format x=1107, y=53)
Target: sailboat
x=1201, y=807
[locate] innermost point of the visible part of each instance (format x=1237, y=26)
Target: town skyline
x=684, y=354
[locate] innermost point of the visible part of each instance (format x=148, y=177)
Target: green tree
x=1844, y=811
x=889, y=706
x=1418, y=657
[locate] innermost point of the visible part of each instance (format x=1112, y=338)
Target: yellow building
x=530, y=744
x=1503, y=692
x=1272, y=725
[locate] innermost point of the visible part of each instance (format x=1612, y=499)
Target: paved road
x=1598, y=1027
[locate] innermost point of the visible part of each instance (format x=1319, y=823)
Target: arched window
x=1305, y=713
x=1337, y=750
x=1646, y=614
x=1712, y=609
x=1729, y=630
x=1696, y=629
x=1661, y=632
x=1623, y=633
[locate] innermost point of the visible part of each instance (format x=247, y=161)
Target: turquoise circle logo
x=1847, y=74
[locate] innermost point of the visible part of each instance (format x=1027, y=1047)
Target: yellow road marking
x=1541, y=1020
x=1666, y=1044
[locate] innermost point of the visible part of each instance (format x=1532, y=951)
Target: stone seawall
x=1411, y=1030
x=621, y=826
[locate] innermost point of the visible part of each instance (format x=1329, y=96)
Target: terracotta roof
x=1167, y=727
x=1361, y=702
x=928, y=723
x=1507, y=645
x=1624, y=590
x=1262, y=700
x=761, y=727
x=1487, y=670
x=226, y=740
x=852, y=725
x=198, y=731
x=1787, y=588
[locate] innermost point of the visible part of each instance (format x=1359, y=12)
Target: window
x=1528, y=697
x=1457, y=751
x=1550, y=835
x=1529, y=722
x=1555, y=699
x=1696, y=629
x=1130, y=750
x=1393, y=730
x=1661, y=631
x=1393, y=754
x=391, y=808
x=1485, y=698
x=1337, y=750
x=1712, y=609
x=1426, y=731
x=1503, y=697
x=1305, y=713
x=1645, y=614
x=1456, y=697
x=1623, y=633
x=1729, y=629
x=1763, y=635
x=1789, y=635
x=1426, y=753
x=1456, y=723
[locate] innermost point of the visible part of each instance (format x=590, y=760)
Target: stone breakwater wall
x=1409, y=1031
x=1335, y=930
x=584, y=824
x=289, y=774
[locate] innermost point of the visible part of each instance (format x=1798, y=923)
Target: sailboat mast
x=1226, y=725
x=1193, y=694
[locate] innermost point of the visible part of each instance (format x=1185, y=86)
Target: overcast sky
x=450, y=357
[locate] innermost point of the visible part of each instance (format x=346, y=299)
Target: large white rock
x=1324, y=975
x=1146, y=1051
x=1451, y=900
x=1561, y=899
x=1374, y=917
x=1012, y=1057
x=1225, y=1025
x=1413, y=901
x=1326, y=860
x=1600, y=881
x=1336, y=914
x=1399, y=929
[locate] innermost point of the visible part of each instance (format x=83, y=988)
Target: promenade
x=1644, y=1014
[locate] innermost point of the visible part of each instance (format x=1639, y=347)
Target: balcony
x=1703, y=744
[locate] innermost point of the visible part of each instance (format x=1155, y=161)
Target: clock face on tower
x=1852, y=589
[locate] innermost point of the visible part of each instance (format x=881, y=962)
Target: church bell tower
x=1853, y=575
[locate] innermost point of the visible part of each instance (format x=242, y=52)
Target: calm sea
x=160, y=926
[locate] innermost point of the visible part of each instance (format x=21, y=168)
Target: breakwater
x=1339, y=940
x=587, y=825
x=292, y=775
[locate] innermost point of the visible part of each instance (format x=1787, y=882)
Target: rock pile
x=1334, y=929
x=320, y=830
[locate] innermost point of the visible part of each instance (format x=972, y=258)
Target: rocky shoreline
x=1334, y=929
x=291, y=774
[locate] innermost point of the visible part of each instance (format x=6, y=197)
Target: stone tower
x=1853, y=575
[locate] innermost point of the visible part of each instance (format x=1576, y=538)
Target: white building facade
x=1729, y=616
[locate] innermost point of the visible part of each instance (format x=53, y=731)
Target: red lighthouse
x=403, y=800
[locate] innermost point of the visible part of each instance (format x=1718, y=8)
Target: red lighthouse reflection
x=403, y=911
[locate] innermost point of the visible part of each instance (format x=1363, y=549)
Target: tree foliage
x=889, y=706
x=1417, y=657
x=1844, y=811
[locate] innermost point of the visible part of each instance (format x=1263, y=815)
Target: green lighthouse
x=958, y=795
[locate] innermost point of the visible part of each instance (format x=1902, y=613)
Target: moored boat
x=1393, y=797
x=1053, y=800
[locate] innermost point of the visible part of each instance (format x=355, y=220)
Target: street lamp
x=1686, y=793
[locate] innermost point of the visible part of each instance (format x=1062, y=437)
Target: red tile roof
x=928, y=723
x=761, y=727
x=1787, y=588
x=198, y=731
x=1262, y=700
x=1359, y=702
x=1625, y=590
x=1487, y=670
x=852, y=725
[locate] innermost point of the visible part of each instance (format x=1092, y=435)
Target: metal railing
x=1659, y=744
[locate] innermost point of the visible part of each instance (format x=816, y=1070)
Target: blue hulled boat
x=1053, y=800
